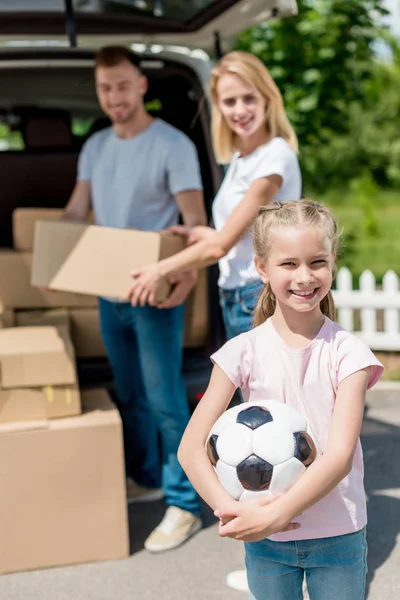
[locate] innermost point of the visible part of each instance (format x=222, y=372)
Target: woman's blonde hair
x=254, y=72
x=290, y=214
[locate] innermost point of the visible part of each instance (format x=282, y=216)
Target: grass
x=370, y=240
x=370, y=233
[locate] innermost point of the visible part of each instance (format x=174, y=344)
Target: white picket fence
x=371, y=313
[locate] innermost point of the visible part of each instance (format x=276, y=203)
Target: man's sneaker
x=176, y=527
x=136, y=493
x=237, y=580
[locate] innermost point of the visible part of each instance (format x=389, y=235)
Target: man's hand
x=183, y=284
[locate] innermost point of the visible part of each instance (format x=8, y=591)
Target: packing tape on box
x=49, y=391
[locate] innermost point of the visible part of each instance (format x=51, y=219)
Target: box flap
x=170, y=244
x=16, y=290
x=36, y=356
x=58, y=317
x=33, y=404
x=23, y=221
x=53, y=243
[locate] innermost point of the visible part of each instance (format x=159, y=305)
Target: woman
x=250, y=130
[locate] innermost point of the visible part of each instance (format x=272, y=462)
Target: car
x=48, y=108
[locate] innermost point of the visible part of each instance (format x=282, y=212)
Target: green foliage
x=359, y=250
x=341, y=100
x=366, y=194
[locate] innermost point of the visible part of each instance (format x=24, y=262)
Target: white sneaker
x=136, y=493
x=237, y=580
x=176, y=527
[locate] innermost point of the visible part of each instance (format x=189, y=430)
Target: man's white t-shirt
x=276, y=157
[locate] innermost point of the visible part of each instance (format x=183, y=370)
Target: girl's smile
x=298, y=266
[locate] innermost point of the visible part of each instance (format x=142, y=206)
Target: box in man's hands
x=89, y=259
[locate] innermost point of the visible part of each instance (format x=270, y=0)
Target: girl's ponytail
x=328, y=306
x=265, y=306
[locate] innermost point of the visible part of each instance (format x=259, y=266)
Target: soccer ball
x=260, y=448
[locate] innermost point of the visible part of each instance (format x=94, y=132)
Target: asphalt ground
x=198, y=569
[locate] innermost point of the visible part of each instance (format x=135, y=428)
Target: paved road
x=197, y=570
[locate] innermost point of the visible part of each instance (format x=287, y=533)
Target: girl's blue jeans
x=335, y=568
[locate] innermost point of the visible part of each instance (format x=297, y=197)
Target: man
x=141, y=173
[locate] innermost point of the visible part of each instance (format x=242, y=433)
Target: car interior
x=47, y=113
x=48, y=109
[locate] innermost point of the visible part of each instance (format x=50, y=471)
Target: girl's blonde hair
x=290, y=214
x=254, y=72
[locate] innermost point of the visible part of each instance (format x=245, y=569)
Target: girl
x=298, y=355
x=250, y=129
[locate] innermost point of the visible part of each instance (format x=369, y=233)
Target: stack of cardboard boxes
x=62, y=476
x=24, y=304
x=55, y=242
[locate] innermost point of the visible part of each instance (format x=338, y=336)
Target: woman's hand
x=191, y=235
x=253, y=521
x=146, y=282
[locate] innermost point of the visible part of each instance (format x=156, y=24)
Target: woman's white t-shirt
x=274, y=158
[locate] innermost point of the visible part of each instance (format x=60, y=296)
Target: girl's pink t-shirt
x=265, y=368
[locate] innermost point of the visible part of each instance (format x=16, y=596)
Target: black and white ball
x=260, y=448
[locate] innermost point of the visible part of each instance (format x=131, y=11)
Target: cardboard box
x=23, y=223
x=196, y=314
x=63, y=498
x=7, y=318
x=96, y=260
x=85, y=333
x=35, y=356
x=16, y=290
x=57, y=317
x=37, y=404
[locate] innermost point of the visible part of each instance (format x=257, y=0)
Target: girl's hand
x=192, y=235
x=253, y=521
x=146, y=282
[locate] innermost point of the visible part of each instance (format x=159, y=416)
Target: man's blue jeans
x=144, y=347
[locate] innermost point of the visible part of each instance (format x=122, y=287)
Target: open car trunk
x=48, y=106
x=192, y=23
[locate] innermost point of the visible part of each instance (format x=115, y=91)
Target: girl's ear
x=261, y=270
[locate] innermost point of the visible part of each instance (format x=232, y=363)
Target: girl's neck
x=297, y=329
x=249, y=144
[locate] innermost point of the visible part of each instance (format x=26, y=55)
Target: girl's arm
x=210, y=249
x=192, y=454
x=320, y=478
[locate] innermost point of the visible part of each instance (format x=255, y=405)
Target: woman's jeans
x=335, y=568
x=144, y=347
x=238, y=306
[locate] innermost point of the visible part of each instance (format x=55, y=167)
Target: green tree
x=322, y=60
